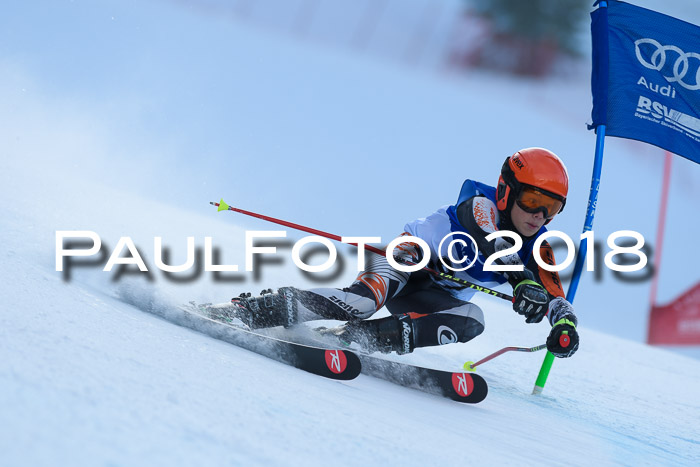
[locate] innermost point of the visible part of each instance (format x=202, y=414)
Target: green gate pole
x=583, y=246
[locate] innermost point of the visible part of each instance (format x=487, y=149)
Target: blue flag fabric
x=646, y=77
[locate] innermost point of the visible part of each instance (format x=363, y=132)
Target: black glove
x=531, y=300
x=563, y=338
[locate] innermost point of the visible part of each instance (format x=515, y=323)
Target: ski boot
x=393, y=333
x=269, y=309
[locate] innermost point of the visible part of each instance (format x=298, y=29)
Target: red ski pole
x=224, y=207
x=471, y=366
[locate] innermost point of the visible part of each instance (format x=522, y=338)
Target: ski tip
x=468, y=387
x=469, y=366
x=343, y=365
x=222, y=205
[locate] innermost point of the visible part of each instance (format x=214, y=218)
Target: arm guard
x=549, y=279
x=560, y=308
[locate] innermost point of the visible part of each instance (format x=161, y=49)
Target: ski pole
x=224, y=207
x=471, y=366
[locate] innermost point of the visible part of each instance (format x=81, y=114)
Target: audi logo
x=657, y=61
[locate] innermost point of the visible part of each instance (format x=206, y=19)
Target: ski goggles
x=532, y=200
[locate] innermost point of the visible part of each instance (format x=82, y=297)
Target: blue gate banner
x=646, y=77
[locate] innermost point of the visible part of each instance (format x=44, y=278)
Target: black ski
x=458, y=386
x=328, y=362
x=320, y=360
x=318, y=357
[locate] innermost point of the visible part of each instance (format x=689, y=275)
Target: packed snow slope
x=87, y=379
x=127, y=118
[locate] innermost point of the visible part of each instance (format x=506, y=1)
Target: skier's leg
x=422, y=317
x=290, y=305
x=392, y=333
x=459, y=324
x=438, y=318
x=370, y=291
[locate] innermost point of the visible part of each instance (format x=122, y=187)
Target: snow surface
x=87, y=379
x=127, y=120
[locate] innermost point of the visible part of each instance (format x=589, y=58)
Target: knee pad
x=458, y=329
x=460, y=324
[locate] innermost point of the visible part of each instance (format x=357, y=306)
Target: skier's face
x=527, y=224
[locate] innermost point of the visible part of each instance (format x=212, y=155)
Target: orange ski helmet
x=537, y=171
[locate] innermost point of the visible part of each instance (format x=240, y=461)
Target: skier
x=427, y=310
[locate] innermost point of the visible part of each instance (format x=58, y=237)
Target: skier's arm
x=549, y=279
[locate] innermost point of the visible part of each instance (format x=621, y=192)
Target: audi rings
x=658, y=60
